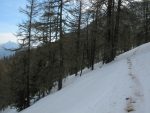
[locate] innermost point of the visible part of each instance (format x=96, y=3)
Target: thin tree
x=116, y=30
x=61, y=54
x=146, y=14
x=108, y=40
x=25, y=32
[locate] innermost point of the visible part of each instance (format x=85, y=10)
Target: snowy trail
x=114, y=88
x=136, y=99
x=142, y=71
x=137, y=87
x=97, y=91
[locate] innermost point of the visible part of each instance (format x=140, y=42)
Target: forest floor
x=122, y=86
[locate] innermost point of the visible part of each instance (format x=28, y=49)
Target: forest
x=59, y=38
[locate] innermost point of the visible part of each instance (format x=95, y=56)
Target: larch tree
x=61, y=53
x=26, y=38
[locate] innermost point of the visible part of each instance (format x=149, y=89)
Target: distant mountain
x=5, y=46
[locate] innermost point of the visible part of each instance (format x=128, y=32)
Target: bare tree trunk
x=108, y=40
x=61, y=73
x=29, y=52
x=116, y=31
x=87, y=43
x=95, y=35
x=146, y=11
x=78, y=41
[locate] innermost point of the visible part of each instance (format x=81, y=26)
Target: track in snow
x=137, y=98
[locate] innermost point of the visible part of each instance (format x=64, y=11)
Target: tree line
x=62, y=37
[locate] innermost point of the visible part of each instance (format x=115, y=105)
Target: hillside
x=118, y=87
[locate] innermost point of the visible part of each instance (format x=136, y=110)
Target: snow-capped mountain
x=4, y=48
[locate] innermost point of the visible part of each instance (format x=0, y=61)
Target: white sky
x=5, y=37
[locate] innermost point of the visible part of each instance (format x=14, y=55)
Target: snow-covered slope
x=118, y=87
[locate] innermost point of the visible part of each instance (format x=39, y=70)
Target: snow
x=118, y=87
x=9, y=110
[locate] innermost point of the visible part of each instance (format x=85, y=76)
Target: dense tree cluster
x=62, y=37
